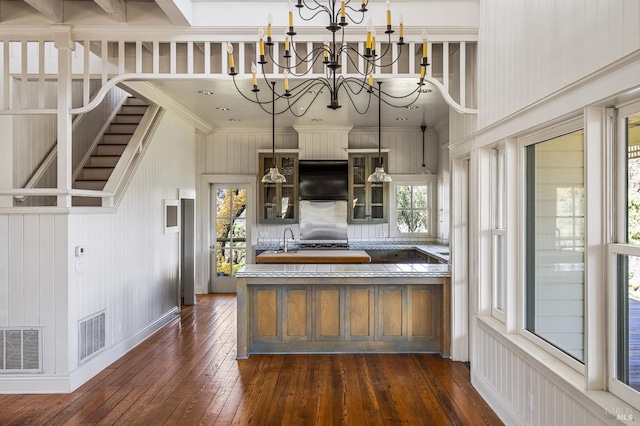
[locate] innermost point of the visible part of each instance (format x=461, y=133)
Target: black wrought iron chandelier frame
x=302, y=95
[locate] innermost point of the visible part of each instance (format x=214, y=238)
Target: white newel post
x=64, y=44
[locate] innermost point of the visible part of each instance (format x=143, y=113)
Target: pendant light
x=424, y=168
x=273, y=176
x=379, y=175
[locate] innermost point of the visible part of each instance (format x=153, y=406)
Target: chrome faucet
x=284, y=237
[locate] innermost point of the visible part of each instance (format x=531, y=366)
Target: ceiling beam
x=178, y=11
x=117, y=9
x=52, y=9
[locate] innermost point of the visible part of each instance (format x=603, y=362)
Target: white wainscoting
x=523, y=388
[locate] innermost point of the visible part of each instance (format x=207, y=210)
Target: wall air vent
x=91, y=336
x=20, y=350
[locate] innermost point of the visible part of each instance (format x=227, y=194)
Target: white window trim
x=498, y=229
x=557, y=130
x=616, y=387
x=417, y=179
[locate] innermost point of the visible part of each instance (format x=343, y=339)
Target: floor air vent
x=91, y=336
x=20, y=350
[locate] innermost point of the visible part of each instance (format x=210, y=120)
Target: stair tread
x=92, y=180
x=118, y=133
x=98, y=167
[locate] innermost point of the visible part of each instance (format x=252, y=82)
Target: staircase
x=105, y=156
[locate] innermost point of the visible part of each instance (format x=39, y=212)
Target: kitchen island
x=343, y=308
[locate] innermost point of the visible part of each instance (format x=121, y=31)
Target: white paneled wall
x=33, y=277
x=528, y=50
x=237, y=153
x=130, y=266
x=527, y=394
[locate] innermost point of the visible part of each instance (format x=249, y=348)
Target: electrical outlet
x=530, y=401
x=382, y=234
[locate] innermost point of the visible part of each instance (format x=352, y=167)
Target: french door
x=229, y=235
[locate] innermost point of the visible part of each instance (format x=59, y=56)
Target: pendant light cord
x=379, y=120
x=273, y=122
x=423, y=127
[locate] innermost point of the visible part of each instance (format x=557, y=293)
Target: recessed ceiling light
x=314, y=92
x=300, y=108
x=425, y=90
x=317, y=120
x=234, y=120
x=412, y=107
x=222, y=108
x=205, y=92
x=402, y=118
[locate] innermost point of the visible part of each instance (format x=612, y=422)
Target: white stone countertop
x=381, y=270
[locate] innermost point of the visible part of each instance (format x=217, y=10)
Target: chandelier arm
x=416, y=90
x=299, y=99
x=290, y=68
x=256, y=101
x=354, y=104
x=362, y=85
x=319, y=8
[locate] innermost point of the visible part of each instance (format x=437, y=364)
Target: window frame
x=498, y=230
x=618, y=246
x=428, y=180
x=525, y=141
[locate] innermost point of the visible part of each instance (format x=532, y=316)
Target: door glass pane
x=231, y=231
x=555, y=242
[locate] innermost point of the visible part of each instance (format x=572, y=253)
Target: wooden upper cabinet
x=279, y=201
x=368, y=201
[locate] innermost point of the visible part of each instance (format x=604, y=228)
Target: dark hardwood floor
x=187, y=374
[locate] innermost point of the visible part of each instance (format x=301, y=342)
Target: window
x=413, y=206
x=498, y=233
x=555, y=242
x=628, y=260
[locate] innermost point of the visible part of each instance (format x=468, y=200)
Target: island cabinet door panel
x=392, y=312
x=297, y=313
x=329, y=301
x=267, y=313
x=424, y=313
x=360, y=301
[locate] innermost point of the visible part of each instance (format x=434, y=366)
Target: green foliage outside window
x=412, y=205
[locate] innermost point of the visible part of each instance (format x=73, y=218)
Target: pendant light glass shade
x=274, y=175
x=379, y=175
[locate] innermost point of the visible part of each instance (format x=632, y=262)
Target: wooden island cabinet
x=343, y=309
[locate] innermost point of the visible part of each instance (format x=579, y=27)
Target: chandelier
x=300, y=96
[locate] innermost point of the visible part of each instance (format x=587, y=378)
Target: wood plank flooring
x=187, y=374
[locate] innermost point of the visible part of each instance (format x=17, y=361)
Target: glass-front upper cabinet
x=367, y=200
x=279, y=201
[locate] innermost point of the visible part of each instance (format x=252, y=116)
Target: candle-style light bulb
x=286, y=42
x=290, y=14
x=269, y=22
x=285, y=74
x=343, y=12
x=325, y=44
x=261, y=35
x=230, y=52
x=388, y=13
x=424, y=43
x=369, y=28
x=254, y=74
x=401, y=25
